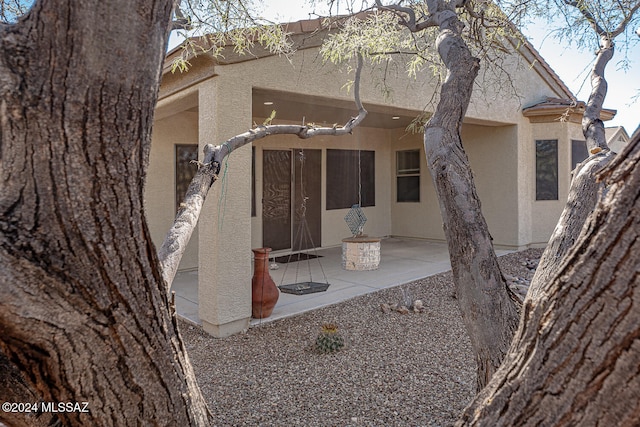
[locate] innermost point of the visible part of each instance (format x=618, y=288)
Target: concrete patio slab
x=402, y=260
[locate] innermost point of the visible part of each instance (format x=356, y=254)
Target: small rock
x=418, y=306
x=403, y=310
x=385, y=308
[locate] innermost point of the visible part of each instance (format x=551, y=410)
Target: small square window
x=408, y=176
x=408, y=162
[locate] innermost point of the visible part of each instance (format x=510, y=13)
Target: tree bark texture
x=592, y=125
x=13, y=388
x=583, y=197
x=576, y=356
x=488, y=308
x=84, y=312
x=585, y=189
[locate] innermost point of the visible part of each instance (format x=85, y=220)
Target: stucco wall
x=224, y=291
x=160, y=196
x=493, y=155
x=545, y=213
x=526, y=189
x=502, y=89
x=413, y=219
x=492, y=152
x=307, y=74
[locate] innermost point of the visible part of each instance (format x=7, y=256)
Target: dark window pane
x=185, y=170
x=408, y=188
x=408, y=162
x=253, y=181
x=578, y=152
x=408, y=176
x=350, y=173
x=547, y=170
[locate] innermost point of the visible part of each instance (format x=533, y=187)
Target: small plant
x=407, y=298
x=329, y=339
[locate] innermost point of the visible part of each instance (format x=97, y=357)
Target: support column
x=224, y=262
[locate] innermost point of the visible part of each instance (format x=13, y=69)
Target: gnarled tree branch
x=592, y=125
x=180, y=21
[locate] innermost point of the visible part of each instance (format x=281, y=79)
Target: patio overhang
x=324, y=111
x=295, y=107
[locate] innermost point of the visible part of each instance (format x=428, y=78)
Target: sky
x=572, y=65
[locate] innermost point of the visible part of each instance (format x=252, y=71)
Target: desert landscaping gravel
x=414, y=369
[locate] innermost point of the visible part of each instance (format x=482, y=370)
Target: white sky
x=574, y=67
x=571, y=65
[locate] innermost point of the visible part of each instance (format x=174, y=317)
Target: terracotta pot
x=264, y=293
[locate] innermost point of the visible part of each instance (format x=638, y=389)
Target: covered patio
x=402, y=260
x=381, y=167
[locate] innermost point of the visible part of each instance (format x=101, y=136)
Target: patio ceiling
x=325, y=111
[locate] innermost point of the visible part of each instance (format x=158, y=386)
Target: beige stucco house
x=521, y=153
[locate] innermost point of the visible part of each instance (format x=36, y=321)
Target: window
x=350, y=173
x=578, y=152
x=253, y=181
x=547, y=169
x=408, y=176
x=185, y=170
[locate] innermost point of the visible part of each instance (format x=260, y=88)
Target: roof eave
x=558, y=113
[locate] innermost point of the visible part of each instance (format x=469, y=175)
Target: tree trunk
x=585, y=188
x=14, y=389
x=592, y=125
x=489, y=309
x=84, y=313
x=576, y=356
x=584, y=194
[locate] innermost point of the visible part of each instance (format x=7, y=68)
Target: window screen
x=408, y=176
x=350, y=173
x=578, y=152
x=547, y=169
x=185, y=170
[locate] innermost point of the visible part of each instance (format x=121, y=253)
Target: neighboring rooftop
x=617, y=138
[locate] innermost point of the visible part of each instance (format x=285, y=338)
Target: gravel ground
x=396, y=369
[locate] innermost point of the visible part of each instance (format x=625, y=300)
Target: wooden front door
x=288, y=179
